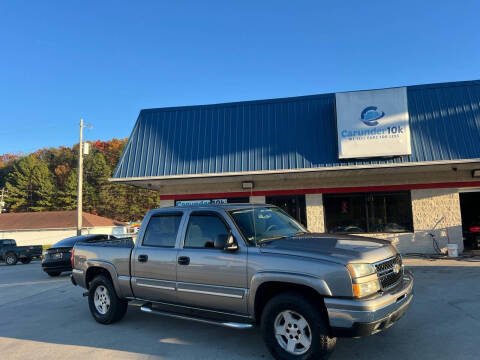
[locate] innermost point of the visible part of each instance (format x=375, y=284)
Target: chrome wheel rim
x=101, y=299
x=10, y=260
x=292, y=332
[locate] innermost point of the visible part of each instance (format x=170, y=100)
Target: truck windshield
x=260, y=224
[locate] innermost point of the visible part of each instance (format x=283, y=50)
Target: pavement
x=47, y=318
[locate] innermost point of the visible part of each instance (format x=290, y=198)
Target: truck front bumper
x=355, y=318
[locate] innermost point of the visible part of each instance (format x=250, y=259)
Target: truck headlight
x=364, y=279
x=365, y=288
x=360, y=270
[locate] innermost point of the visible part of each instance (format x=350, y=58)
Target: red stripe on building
x=338, y=190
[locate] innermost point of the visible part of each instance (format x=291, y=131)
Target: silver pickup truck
x=237, y=265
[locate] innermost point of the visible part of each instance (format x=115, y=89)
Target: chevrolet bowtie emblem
x=397, y=268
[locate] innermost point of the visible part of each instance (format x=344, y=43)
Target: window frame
x=163, y=214
x=203, y=213
x=366, y=202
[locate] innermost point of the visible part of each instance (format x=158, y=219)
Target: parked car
x=57, y=258
x=11, y=253
x=237, y=265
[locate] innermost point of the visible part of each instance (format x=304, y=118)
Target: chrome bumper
x=354, y=318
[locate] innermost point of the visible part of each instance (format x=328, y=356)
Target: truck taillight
x=72, y=258
x=475, y=229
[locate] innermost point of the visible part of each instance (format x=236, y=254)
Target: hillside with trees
x=47, y=180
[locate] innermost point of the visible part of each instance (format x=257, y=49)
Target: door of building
x=294, y=205
x=470, y=210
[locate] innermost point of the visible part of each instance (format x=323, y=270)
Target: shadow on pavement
x=442, y=322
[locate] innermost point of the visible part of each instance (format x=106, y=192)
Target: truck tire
x=294, y=327
x=106, y=307
x=53, y=273
x=26, y=260
x=11, y=259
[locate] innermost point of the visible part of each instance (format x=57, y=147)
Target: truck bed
x=115, y=252
x=122, y=242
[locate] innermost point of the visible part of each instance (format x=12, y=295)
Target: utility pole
x=80, y=182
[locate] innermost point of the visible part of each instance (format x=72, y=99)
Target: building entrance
x=470, y=210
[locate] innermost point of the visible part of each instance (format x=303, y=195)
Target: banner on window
x=373, y=123
x=200, y=202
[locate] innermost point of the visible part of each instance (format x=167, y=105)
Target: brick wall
x=315, y=216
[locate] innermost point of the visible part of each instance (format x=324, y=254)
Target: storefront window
x=381, y=212
x=293, y=205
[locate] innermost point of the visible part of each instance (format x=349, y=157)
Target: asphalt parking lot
x=47, y=318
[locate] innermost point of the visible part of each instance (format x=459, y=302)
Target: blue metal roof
x=292, y=133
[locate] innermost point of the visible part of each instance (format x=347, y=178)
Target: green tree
x=96, y=173
x=66, y=195
x=30, y=185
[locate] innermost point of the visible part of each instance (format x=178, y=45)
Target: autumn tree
x=47, y=180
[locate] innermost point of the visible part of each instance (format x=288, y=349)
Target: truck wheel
x=26, y=260
x=54, y=273
x=105, y=306
x=293, y=327
x=11, y=259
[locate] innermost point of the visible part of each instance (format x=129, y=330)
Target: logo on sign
x=370, y=115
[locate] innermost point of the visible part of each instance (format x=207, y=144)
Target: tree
x=30, y=185
x=96, y=174
x=6, y=166
x=47, y=180
x=125, y=202
x=66, y=195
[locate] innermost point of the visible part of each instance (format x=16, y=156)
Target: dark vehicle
x=57, y=257
x=11, y=253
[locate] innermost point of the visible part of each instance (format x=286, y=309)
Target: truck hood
x=341, y=249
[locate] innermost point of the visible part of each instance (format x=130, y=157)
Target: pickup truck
x=11, y=253
x=240, y=265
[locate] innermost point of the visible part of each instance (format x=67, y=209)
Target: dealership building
x=401, y=164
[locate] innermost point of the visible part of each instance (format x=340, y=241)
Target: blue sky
x=106, y=60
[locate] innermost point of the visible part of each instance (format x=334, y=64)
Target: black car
x=57, y=258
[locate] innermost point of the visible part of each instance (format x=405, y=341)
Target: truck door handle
x=142, y=258
x=183, y=260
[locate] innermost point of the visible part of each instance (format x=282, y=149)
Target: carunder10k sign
x=373, y=123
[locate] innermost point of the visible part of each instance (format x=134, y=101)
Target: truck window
x=203, y=230
x=162, y=230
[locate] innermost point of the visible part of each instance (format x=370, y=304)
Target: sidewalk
x=415, y=261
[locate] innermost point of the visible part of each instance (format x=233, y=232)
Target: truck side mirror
x=225, y=242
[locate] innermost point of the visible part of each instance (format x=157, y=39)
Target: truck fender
x=260, y=278
x=111, y=270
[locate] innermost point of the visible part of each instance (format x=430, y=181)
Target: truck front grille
x=390, y=272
